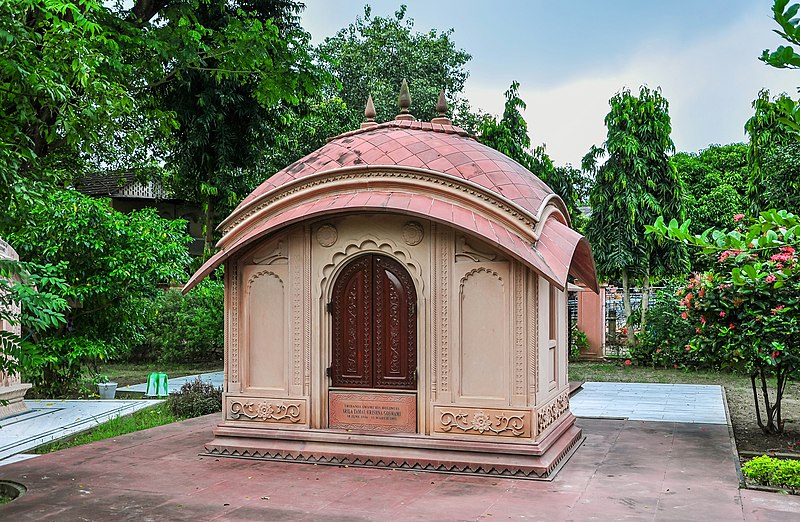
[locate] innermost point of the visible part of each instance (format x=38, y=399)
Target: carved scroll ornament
x=480, y=422
x=265, y=411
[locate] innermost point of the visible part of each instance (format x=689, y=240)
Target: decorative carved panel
x=551, y=412
x=482, y=421
x=327, y=235
x=267, y=411
x=413, y=233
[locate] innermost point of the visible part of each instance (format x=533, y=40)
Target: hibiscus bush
x=744, y=311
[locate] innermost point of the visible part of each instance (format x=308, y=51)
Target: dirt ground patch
x=749, y=437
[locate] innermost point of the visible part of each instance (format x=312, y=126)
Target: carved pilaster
x=307, y=310
x=533, y=336
x=519, y=331
x=435, y=313
x=445, y=247
x=233, y=369
x=296, y=252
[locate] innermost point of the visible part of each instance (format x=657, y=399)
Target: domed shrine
x=398, y=298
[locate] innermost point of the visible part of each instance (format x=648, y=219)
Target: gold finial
x=404, y=101
x=441, y=108
x=369, y=113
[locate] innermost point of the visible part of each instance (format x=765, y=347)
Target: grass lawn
x=126, y=374
x=157, y=415
x=749, y=437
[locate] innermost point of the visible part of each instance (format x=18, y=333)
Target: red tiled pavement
x=624, y=469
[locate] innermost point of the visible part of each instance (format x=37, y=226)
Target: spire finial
x=404, y=101
x=441, y=108
x=441, y=104
x=369, y=111
x=369, y=114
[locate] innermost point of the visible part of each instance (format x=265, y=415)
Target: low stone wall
x=12, y=389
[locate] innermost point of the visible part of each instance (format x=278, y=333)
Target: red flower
x=722, y=314
x=658, y=351
x=776, y=354
x=731, y=326
x=684, y=315
x=627, y=362
x=702, y=319
x=771, y=278
x=688, y=348
x=697, y=330
x=738, y=217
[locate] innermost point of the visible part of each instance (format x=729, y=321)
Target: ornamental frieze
x=482, y=421
x=267, y=410
x=552, y=411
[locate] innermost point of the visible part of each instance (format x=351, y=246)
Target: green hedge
x=769, y=471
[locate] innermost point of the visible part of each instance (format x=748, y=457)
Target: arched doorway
x=374, y=326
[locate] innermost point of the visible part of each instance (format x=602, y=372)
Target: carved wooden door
x=374, y=326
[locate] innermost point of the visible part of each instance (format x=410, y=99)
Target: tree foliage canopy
x=373, y=55
x=715, y=180
x=635, y=185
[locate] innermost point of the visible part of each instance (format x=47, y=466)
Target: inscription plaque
x=382, y=412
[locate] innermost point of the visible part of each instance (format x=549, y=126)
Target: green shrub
x=185, y=328
x=769, y=471
x=663, y=341
x=64, y=365
x=577, y=342
x=196, y=398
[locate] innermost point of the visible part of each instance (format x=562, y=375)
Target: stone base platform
x=539, y=460
x=12, y=399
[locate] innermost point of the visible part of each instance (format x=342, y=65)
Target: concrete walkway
x=174, y=384
x=50, y=420
x=692, y=403
x=631, y=470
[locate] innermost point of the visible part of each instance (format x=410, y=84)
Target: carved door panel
x=374, y=326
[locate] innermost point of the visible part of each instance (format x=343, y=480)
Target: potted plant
x=106, y=388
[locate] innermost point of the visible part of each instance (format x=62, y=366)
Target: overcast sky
x=571, y=57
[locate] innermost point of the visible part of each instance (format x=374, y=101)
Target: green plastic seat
x=157, y=385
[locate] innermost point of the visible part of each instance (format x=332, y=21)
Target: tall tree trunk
x=208, y=227
x=645, y=298
x=626, y=301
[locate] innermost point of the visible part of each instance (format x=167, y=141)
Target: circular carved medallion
x=327, y=235
x=412, y=233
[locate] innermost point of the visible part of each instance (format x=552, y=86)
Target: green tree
x=226, y=126
x=509, y=135
x=107, y=261
x=773, y=155
x=374, y=55
x=634, y=186
x=715, y=183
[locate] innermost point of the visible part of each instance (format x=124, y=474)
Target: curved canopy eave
x=419, y=205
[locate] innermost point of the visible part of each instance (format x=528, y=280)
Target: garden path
x=49, y=420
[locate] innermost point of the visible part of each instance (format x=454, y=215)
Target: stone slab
x=690, y=403
x=368, y=411
x=50, y=420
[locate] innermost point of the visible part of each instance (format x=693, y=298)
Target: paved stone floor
x=693, y=403
x=174, y=384
x=625, y=469
x=50, y=420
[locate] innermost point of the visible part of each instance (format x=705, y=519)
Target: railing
x=616, y=320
